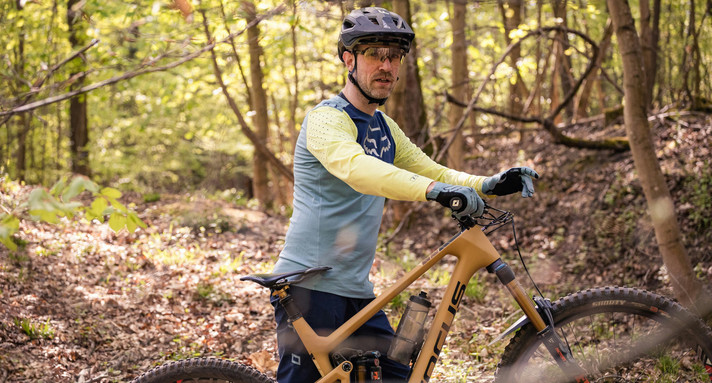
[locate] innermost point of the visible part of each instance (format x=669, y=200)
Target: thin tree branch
x=37, y=84
x=147, y=68
x=546, y=122
x=246, y=130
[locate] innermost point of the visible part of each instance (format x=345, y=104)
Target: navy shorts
x=325, y=312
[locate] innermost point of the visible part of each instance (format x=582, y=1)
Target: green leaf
x=110, y=193
x=8, y=242
x=58, y=186
x=10, y=221
x=78, y=185
x=97, y=209
x=136, y=220
x=117, y=221
x=41, y=205
x=75, y=187
x=44, y=215
x=131, y=225
x=118, y=206
x=36, y=199
x=9, y=226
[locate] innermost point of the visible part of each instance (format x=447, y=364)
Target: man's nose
x=386, y=64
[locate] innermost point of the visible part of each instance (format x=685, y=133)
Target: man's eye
x=372, y=52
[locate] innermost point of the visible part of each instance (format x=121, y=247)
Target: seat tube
x=314, y=344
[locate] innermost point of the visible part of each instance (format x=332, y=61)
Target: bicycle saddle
x=273, y=281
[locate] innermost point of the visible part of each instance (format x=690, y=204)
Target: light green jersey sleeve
x=411, y=158
x=331, y=139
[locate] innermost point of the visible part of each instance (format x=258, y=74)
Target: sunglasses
x=380, y=54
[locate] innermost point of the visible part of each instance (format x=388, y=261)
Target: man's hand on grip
x=463, y=200
x=511, y=181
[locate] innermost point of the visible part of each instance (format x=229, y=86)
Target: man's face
x=377, y=69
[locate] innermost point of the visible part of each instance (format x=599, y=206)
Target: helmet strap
x=352, y=78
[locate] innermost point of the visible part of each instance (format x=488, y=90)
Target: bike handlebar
x=490, y=218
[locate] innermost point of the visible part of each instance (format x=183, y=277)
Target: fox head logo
x=375, y=146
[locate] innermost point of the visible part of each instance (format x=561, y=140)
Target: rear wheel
x=203, y=370
x=616, y=335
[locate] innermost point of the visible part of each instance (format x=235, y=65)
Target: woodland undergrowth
x=81, y=303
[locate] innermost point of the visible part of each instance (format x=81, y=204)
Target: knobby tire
x=617, y=335
x=203, y=370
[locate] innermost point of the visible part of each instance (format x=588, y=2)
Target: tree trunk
x=564, y=61
x=406, y=105
x=21, y=154
x=259, y=144
x=511, y=11
x=585, y=95
x=24, y=118
x=459, y=81
x=690, y=57
x=260, y=185
x=687, y=288
x=554, y=88
x=695, y=55
x=294, y=133
x=649, y=36
x=78, y=123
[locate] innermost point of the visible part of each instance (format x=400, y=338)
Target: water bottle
x=409, y=334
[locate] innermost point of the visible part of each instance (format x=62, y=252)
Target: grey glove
x=463, y=200
x=511, y=181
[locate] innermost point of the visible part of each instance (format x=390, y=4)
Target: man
x=349, y=158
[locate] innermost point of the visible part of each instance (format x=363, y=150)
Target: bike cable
x=544, y=303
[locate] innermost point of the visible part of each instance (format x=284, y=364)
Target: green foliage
x=60, y=201
x=667, y=365
x=204, y=290
x=439, y=276
x=231, y=263
x=700, y=197
x=151, y=197
x=476, y=290
x=173, y=130
x=200, y=222
x=398, y=303
x=9, y=225
x=34, y=330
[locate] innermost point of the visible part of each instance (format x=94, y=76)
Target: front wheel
x=203, y=370
x=616, y=335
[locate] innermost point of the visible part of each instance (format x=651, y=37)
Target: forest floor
x=80, y=303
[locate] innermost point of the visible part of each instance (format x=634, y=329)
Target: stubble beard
x=375, y=89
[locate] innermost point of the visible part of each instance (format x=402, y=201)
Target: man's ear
x=349, y=60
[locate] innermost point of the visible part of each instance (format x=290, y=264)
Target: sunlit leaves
x=9, y=225
x=60, y=201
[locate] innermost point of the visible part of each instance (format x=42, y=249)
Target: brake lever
x=466, y=222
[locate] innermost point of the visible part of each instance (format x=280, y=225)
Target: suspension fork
x=558, y=349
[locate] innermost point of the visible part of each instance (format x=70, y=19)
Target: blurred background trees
x=185, y=95
x=171, y=129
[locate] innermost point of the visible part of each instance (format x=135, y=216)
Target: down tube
x=473, y=251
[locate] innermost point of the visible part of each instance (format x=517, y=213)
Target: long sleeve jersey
x=346, y=163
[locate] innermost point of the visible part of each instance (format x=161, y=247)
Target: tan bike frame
x=473, y=252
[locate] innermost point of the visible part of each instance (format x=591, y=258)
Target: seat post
x=286, y=300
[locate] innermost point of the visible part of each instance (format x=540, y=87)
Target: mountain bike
x=608, y=334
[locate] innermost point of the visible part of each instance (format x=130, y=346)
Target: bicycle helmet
x=374, y=25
